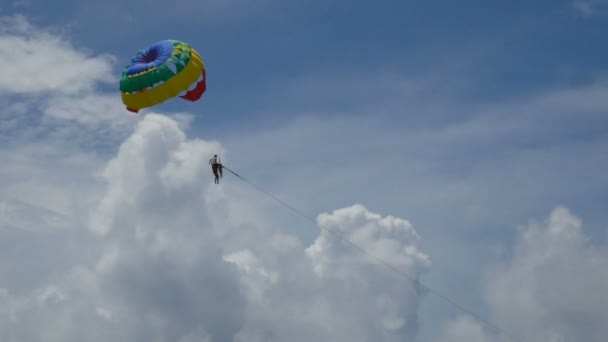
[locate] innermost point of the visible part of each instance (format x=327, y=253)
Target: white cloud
x=552, y=289
x=462, y=329
x=331, y=287
x=37, y=186
x=20, y=3
x=36, y=61
x=591, y=7
x=50, y=90
x=155, y=157
x=389, y=238
x=156, y=275
x=15, y=214
x=90, y=110
x=175, y=257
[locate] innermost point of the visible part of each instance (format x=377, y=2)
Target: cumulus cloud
x=331, y=287
x=552, y=289
x=172, y=257
x=389, y=238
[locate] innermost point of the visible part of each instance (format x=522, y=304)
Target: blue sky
x=503, y=50
x=472, y=120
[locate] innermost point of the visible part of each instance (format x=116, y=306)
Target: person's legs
x=214, y=168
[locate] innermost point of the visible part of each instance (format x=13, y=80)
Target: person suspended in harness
x=217, y=168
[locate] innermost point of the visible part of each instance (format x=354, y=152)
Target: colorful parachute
x=160, y=72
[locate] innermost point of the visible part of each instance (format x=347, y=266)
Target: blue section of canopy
x=153, y=56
